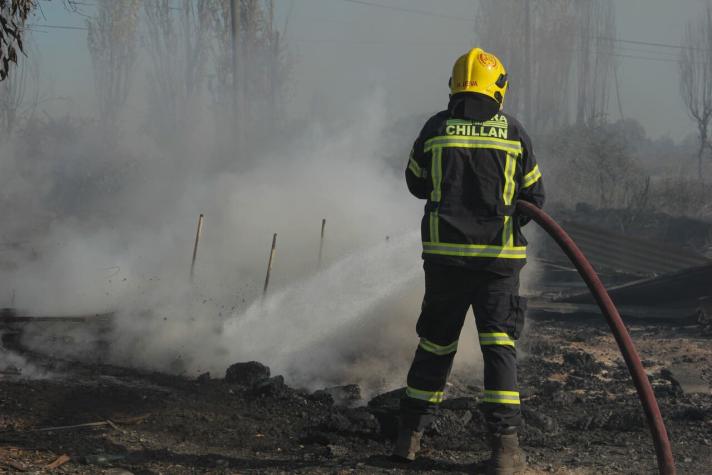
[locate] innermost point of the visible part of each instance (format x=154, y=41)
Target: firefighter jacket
x=472, y=171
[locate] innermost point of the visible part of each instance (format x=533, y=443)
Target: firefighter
x=471, y=163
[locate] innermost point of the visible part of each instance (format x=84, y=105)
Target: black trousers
x=499, y=316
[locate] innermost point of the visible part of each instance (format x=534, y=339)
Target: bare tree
x=552, y=49
x=531, y=40
x=15, y=104
x=600, y=167
x=507, y=37
x=112, y=44
x=553, y=64
x=221, y=84
x=263, y=65
x=595, y=63
x=13, y=14
x=177, y=41
x=695, y=65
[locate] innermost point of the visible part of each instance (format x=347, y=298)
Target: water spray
x=663, y=451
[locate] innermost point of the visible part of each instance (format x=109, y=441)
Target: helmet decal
x=487, y=60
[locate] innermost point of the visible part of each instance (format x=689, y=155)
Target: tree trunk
x=701, y=150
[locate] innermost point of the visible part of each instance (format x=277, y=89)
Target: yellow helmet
x=479, y=72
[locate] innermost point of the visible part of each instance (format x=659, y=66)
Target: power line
x=38, y=27
x=451, y=17
x=645, y=43
x=376, y=42
x=659, y=45
x=647, y=58
x=94, y=4
x=411, y=10
x=469, y=19
x=382, y=42
x=55, y=27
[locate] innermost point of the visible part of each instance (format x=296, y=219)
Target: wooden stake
x=269, y=264
x=195, y=246
x=321, y=241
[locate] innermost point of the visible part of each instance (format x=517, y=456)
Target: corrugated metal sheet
x=682, y=289
x=625, y=253
x=680, y=315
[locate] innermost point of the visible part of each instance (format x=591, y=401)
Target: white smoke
x=102, y=240
x=124, y=246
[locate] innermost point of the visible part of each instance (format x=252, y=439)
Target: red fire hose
x=663, y=450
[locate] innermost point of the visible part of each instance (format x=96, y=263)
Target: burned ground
x=581, y=411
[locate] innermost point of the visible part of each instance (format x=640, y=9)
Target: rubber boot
x=507, y=458
x=407, y=444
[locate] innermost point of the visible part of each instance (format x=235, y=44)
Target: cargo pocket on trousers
x=517, y=314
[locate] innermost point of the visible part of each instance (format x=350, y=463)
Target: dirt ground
x=582, y=415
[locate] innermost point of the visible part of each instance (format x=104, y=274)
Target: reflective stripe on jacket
x=472, y=173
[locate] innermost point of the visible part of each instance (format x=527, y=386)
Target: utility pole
x=234, y=36
x=618, y=90
x=274, y=42
x=527, y=78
